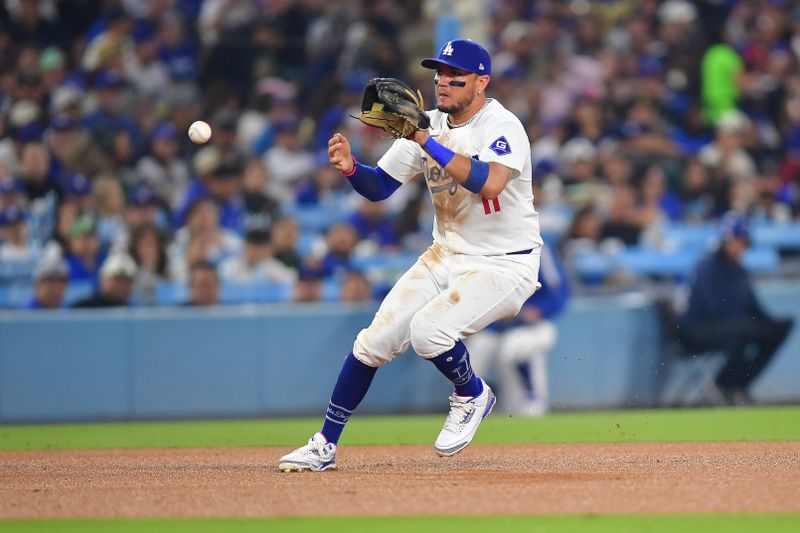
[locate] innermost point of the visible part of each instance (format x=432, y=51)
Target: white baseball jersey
x=465, y=222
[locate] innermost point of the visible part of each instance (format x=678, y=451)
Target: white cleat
x=316, y=456
x=463, y=420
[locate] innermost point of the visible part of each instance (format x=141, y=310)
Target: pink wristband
x=352, y=171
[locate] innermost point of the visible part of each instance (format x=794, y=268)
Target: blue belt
x=521, y=252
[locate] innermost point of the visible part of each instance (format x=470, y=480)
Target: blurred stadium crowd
x=648, y=121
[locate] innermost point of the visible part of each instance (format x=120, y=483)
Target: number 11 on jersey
x=487, y=208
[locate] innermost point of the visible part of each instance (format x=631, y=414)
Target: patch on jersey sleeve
x=500, y=146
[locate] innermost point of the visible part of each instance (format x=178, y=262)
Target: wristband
x=441, y=154
x=478, y=174
x=355, y=163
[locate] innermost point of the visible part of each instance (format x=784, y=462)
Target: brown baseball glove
x=393, y=106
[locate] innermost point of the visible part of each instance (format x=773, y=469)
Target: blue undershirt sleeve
x=372, y=183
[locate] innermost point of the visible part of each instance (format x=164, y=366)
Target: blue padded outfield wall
x=250, y=361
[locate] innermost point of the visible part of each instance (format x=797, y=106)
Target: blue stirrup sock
x=352, y=385
x=455, y=365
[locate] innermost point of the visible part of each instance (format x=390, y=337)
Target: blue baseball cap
x=12, y=214
x=109, y=80
x=10, y=186
x=65, y=123
x=165, y=130
x=32, y=132
x=142, y=194
x=143, y=32
x=463, y=54
x=733, y=225
x=542, y=168
x=78, y=185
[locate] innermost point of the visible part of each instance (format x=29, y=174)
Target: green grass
x=760, y=423
x=774, y=523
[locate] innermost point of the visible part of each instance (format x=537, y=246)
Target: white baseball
x=199, y=132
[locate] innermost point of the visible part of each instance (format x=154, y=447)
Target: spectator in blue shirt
x=371, y=221
x=177, y=52
x=341, y=241
x=77, y=190
x=223, y=186
x=110, y=117
x=84, y=256
x=724, y=314
x=324, y=187
x=18, y=254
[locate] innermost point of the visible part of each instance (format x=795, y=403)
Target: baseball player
x=484, y=261
x=518, y=346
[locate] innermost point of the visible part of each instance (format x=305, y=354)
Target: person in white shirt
x=202, y=237
x=484, y=260
x=255, y=263
x=163, y=169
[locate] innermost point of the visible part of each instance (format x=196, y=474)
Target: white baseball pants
x=445, y=297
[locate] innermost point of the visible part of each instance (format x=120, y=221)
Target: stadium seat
x=271, y=292
x=385, y=268
x=77, y=290
x=317, y=218
x=16, y=295
x=646, y=261
x=783, y=237
x=171, y=293
x=761, y=260
x=331, y=290
x=683, y=236
x=19, y=295
x=255, y=292
x=306, y=241
x=234, y=293
x=19, y=270
x=592, y=267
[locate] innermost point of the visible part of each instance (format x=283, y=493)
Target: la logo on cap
x=448, y=50
x=480, y=66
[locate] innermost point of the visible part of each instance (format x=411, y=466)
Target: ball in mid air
x=199, y=132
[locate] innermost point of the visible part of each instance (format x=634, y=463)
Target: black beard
x=455, y=108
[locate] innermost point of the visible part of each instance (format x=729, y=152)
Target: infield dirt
x=405, y=480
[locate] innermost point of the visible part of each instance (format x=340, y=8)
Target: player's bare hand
x=420, y=136
x=339, y=153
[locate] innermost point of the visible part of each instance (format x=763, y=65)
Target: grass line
x=775, y=523
x=742, y=424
